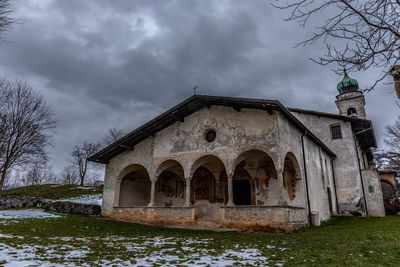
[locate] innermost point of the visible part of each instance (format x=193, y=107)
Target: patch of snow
x=188, y=253
x=85, y=199
x=13, y=257
x=26, y=214
x=81, y=187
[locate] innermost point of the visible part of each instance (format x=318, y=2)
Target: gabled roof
x=189, y=106
x=363, y=129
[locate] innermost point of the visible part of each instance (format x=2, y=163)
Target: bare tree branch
x=5, y=20
x=112, y=135
x=358, y=34
x=26, y=126
x=80, y=155
x=390, y=159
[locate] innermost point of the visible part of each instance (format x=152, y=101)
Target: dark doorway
x=241, y=192
x=330, y=201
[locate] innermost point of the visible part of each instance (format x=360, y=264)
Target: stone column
x=152, y=193
x=187, y=194
x=253, y=191
x=230, y=191
x=282, y=200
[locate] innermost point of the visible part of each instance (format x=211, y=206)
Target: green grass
x=343, y=241
x=50, y=191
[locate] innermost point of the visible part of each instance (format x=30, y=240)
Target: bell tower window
x=352, y=112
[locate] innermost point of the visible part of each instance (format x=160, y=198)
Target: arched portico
x=134, y=186
x=208, y=186
x=292, y=181
x=170, y=186
x=255, y=180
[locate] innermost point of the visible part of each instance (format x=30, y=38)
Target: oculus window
x=210, y=135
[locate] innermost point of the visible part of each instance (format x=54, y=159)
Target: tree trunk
x=2, y=178
x=82, y=179
x=395, y=72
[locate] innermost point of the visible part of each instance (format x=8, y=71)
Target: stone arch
x=208, y=159
x=134, y=186
x=388, y=190
x=241, y=155
x=208, y=186
x=292, y=176
x=170, y=184
x=255, y=179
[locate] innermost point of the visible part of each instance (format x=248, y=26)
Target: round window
x=210, y=135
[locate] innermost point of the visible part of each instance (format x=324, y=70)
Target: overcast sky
x=109, y=63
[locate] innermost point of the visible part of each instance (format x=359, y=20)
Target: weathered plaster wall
x=317, y=175
x=237, y=132
x=373, y=193
x=121, y=165
x=318, y=178
x=348, y=181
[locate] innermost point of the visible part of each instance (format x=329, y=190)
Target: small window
x=336, y=132
x=210, y=135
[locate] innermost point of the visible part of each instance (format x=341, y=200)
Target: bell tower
x=350, y=100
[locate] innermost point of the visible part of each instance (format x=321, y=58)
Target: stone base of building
x=237, y=218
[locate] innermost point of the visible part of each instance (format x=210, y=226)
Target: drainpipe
x=334, y=186
x=306, y=178
x=361, y=177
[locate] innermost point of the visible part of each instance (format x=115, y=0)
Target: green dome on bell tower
x=347, y=84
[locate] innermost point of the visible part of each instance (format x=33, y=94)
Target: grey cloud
x=114, y=63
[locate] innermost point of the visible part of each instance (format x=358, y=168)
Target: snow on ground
x=82, y=187
x=25, y=214
x=148, y=250
x=166, y=253
x=85, y=199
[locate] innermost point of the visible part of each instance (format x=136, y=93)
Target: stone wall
x=15, y=201
x=250, y=215
x=164, y=215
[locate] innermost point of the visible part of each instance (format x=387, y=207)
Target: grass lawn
x=343, y=241
x=54, y=191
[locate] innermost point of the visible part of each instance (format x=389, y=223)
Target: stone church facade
x=244, y=162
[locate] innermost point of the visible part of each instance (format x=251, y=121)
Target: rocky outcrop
x=16, y=201
x=64, y=207
x=71, y=208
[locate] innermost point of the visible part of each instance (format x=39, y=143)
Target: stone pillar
x=187, y=194
x=282, y=200
x=152, y=192
x=253, y=191
x=230, y=191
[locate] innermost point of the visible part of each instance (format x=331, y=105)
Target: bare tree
x=368, y=32
x=112, y=135
x=5, y=19
x=26, y=126
x=80, y=155
x=392, y=141
x=69, y=175
x=40, y=173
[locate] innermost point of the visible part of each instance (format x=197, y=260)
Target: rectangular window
x=336, y=132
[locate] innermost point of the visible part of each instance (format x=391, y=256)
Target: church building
x=238, y=162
